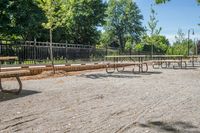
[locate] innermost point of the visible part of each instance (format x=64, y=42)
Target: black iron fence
x=33, y=52
x=40, y=51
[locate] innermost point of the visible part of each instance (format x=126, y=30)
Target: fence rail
x=33, y=51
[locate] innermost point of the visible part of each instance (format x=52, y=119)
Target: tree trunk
x=51, y=50
x=121, y=42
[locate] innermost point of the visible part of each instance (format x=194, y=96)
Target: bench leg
x=15, y=91
x=1, y=85
x=156, y=65
x=139, y=68
x=109, y=66
x=165, y=66
x=146, y=65
x=122, y=69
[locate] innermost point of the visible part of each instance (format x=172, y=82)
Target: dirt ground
x=162, y=100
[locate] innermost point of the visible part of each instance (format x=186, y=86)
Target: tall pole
x=152, y=50
x=197, y=47
x=50, y=33
x=51, y=50
x=194, y=51
x=188, y=42
x=189, y=39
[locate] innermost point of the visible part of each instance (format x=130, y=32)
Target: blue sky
x=184, y=14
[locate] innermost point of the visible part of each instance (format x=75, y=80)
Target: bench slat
x=8, y=74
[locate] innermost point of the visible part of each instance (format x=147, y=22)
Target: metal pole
x=194, y=51
x=197, y=47
x=152, y=51
x=188, y=42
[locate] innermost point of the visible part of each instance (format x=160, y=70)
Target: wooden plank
x=8, y=74
x=7, y=58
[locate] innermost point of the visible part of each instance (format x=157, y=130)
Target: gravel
x=162, y=100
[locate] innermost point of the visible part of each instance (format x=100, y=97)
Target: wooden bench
x=167, y=63
x=16, y=74
x=10, y=74
x=117, y=66
x=120, y=61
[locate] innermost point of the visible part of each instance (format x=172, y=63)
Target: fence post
x=35, y=41
x=66, y=51
x=106, y=49
x=0, y=49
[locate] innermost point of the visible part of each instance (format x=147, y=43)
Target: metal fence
x=29, y=52
x=33, y=52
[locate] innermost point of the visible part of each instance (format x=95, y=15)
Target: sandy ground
x=162, y=100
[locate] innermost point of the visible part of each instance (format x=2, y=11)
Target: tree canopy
x=164, y=1
x=124, y=20
x=116, y=23
x=22, y=18
x=153, y=22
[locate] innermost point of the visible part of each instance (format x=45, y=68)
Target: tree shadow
x=24, y=93
x=178, y=68
x=172, y=127
x=113, y=75
x=149, y=73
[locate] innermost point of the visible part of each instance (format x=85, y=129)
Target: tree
x=21, y=18
x=161, y=1
x=84, y=16
x=124, y=20
x=180, y=46
x=152, y=26
x=53, y=11
x=153, y=22
x=164, y=1
x=180, y=37
x=160, y=43
x=4, y=16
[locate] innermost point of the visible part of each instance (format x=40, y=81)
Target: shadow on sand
x=113, y=75
x=171, y=127
x=149, y=73
x=24, y=93
x=124, y=74
x=179, y=68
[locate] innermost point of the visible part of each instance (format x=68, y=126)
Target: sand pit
x=162, y=100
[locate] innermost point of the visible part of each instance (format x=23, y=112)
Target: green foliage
x=164, y=1
x=83, y=18
x=160, y=43
x=180, y=37
x=153, y=22
x=108, y=39
x=180, y=46
x=71, y=20
x=53, y=12
x=128, y=45
x=4, y=16
x=124, y=20
x=139, y=47
x=161, y=1
x=20, y=18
